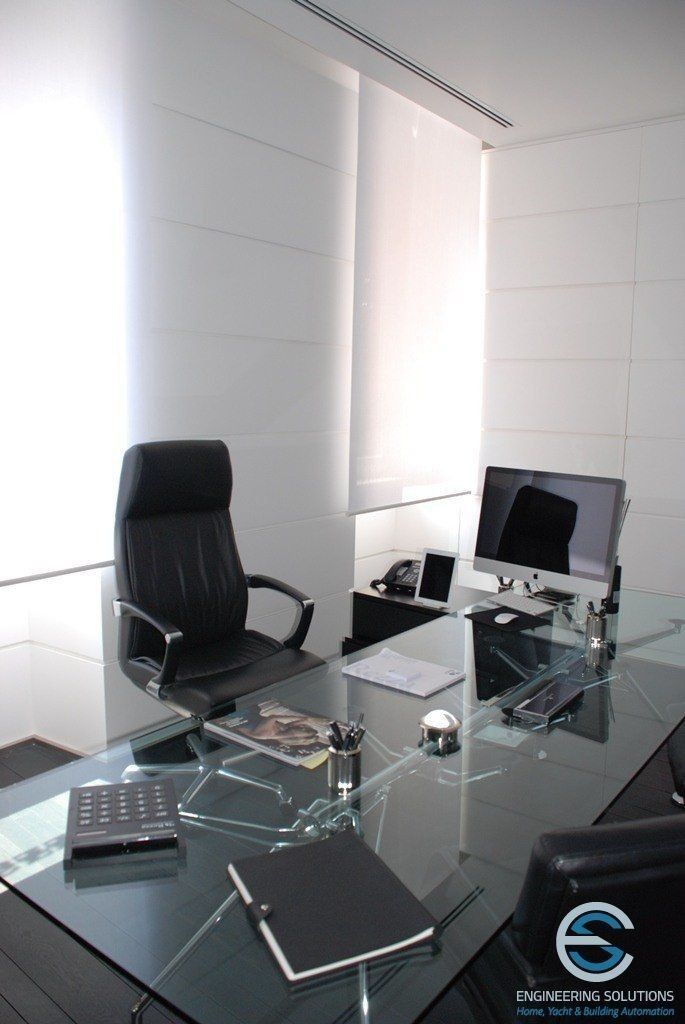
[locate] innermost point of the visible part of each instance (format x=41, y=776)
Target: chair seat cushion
x=212, y=676
x=223, y=655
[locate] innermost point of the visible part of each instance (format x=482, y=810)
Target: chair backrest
x=638, y=866
x=175, y=551
x=538, y=530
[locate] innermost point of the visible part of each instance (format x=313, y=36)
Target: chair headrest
x=174, y=476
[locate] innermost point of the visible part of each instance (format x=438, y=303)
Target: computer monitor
x=556, y=529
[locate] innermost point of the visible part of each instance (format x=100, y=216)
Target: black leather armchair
x=183, y=594
x=637, y=866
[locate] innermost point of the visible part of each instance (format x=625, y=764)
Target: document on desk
x=419, y=678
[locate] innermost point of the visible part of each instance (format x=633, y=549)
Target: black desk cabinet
x=378, y=615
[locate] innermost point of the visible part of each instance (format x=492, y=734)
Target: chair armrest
x=173, y=638
x=297, y=635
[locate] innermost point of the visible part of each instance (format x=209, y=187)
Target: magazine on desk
x=287, y=734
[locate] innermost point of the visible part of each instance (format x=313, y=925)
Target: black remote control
x=121, y=818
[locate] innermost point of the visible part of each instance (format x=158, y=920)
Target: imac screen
x=553, y=522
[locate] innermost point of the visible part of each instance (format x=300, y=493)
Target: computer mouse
x=504, y=617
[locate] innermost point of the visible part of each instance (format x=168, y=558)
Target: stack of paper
x=420, y=678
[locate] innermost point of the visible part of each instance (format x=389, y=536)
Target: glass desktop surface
x=458, y=831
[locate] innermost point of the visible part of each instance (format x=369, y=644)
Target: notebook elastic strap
x=257, y=912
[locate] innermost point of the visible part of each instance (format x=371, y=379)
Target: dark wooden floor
x=48, y=978
x=649, y=793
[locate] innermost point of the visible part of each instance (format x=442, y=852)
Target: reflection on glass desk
x=457, y=831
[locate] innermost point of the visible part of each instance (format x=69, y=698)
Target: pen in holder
x=344, y=770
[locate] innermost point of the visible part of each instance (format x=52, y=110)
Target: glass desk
x=457, y=830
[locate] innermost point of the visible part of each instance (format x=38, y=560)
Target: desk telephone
x=401, y=577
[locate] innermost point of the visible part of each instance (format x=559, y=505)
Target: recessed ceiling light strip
x=403, y=60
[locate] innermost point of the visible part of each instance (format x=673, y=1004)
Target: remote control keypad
x=136, y=802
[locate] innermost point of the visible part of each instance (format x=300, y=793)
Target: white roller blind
x=61, y=267
x=417, y=355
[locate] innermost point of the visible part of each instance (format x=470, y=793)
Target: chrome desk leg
x=191, y=945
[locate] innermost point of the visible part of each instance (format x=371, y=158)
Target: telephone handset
x=401, y=577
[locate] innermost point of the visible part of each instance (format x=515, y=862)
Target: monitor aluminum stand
x=521, y=602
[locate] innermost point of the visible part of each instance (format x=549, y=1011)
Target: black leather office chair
x=183, y=593
x=638, y=867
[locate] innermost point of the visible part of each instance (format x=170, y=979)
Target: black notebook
x=328, y=905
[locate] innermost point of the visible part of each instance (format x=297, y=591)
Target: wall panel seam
x=554, y=433
x=294, y=522
x=67, y=652
x=655, y=515
x=562, y=211
x=343, y=432
x=548, y=287
x=253, y=138
x=559, y=359
x=315, y=598
x=252, y=238
x=247, y=337
x=14, y=645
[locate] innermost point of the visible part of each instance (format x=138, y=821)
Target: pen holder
x=595, y=629
x=344, y=770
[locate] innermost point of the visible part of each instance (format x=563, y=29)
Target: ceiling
x=552, y=67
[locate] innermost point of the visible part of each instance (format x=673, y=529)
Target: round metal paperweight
x=440, y=727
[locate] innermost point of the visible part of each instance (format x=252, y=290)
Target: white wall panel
x=16, y=703
x=563, y=453
x=206, y=385
x=375, y=532
x=663, y=162
x=568, y=397
x=224, y=72
x=330, y=623
x=208, y=281
x=14, y=615
x=287, y=477
x=239, y=205
x=651, y=553
x=127, y=707
x=655, y=475
x=660, y=246
x=247, y=187
x=332, y=619
x=62, y=683
x=586, y=247
x=433, y=525
x=587, y=322
x=572, y=174
x=656, y=407
x=66, y=613
x=616, y=418
x=374, y=567
x=316, y=556
x=659, y=320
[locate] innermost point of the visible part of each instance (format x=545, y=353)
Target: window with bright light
x=61, y=266
x=417, y=349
